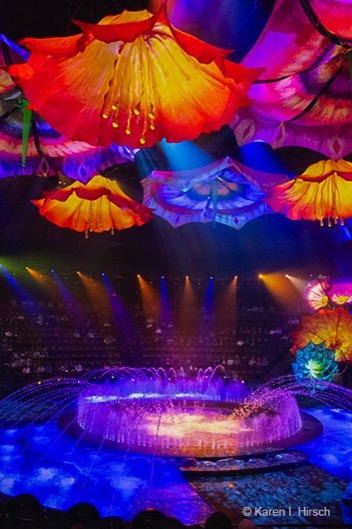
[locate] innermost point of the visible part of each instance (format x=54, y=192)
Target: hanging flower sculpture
x=133, y=79
x=341, y=292
x=29, y=146
x=333, y=15
x=99, y=206
x=316, y=293
x=326, y=292
x=304, y=96
x=224, y=191
x=323, y=191
x=331, y=326
x=314, y=361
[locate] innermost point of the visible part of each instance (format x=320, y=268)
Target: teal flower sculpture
x=314, y=362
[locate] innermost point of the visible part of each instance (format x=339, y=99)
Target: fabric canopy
x=224, y=191
x=303, y=98
x=335, y=16
x=32, y=147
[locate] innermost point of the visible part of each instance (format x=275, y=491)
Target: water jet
x=115, y=426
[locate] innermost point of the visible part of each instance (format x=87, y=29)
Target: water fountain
x=166, y=413
x=62, y=437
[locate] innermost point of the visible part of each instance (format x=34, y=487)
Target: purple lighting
x=164, y=412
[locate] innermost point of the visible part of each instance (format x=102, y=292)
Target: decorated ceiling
x=223, y=122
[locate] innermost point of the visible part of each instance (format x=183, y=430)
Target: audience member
x=147, y=519
x=82, y=514
x=218, y=520
x=21, y=509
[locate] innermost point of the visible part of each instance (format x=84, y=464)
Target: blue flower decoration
x=314, y=362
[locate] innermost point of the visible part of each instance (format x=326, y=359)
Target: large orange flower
x=334, y=327
x=323, y=191
x=98, y=206
x=133, y=79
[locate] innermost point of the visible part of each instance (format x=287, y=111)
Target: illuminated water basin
x=187, y=426
x=121, y=476
x=60, y=470
x=206, y=416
